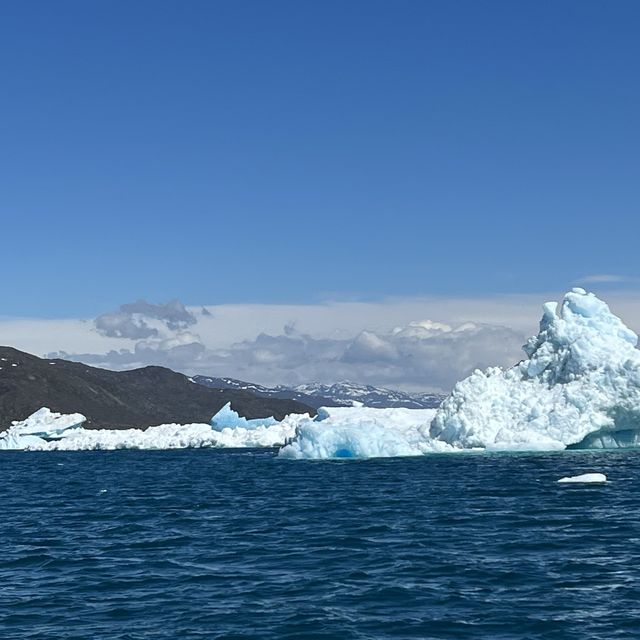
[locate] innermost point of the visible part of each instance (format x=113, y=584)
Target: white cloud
x=608, y=278
x=136, y=320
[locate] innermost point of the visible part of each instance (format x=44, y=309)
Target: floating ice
x=590, y=478
x=14, y=441
x=356, y=432
x=578, y=387
x=47, y=424
x=360, y=432
x=228, y=418
x=45, y=431
x=42, y=424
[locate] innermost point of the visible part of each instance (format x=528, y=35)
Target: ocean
x=206, y=543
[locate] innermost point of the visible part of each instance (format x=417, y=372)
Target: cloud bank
x=414, y=344
x=418, y=355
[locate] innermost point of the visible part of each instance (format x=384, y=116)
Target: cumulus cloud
x=117, y=325
x=368, y=347
x=160, y=332
x=134, y=320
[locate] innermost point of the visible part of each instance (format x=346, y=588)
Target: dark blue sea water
x=219, y=544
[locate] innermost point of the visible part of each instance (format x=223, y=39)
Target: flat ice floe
x=585, y=478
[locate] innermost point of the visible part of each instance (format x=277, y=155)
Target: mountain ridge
x=340, y=394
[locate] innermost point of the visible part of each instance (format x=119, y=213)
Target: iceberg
x=227, y=418
x=38, y=428
x=47, y=424
x=362, y=432
x=578, y=387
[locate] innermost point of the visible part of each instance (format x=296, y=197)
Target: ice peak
x=582, y=335
x=581, y=375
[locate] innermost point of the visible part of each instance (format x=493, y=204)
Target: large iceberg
x=579, y=386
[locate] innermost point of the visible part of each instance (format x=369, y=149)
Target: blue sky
x=269, y=152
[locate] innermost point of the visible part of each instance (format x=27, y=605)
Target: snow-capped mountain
x=341, y=394
x=281, y=393
x=370, y=396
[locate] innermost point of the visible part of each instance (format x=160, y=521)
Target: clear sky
x=267, y=152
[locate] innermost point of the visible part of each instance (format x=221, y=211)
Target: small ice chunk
x=589, y=478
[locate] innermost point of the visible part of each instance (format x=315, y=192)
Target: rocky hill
x=120, y=399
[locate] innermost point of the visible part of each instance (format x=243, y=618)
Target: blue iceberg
x=227, y=418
